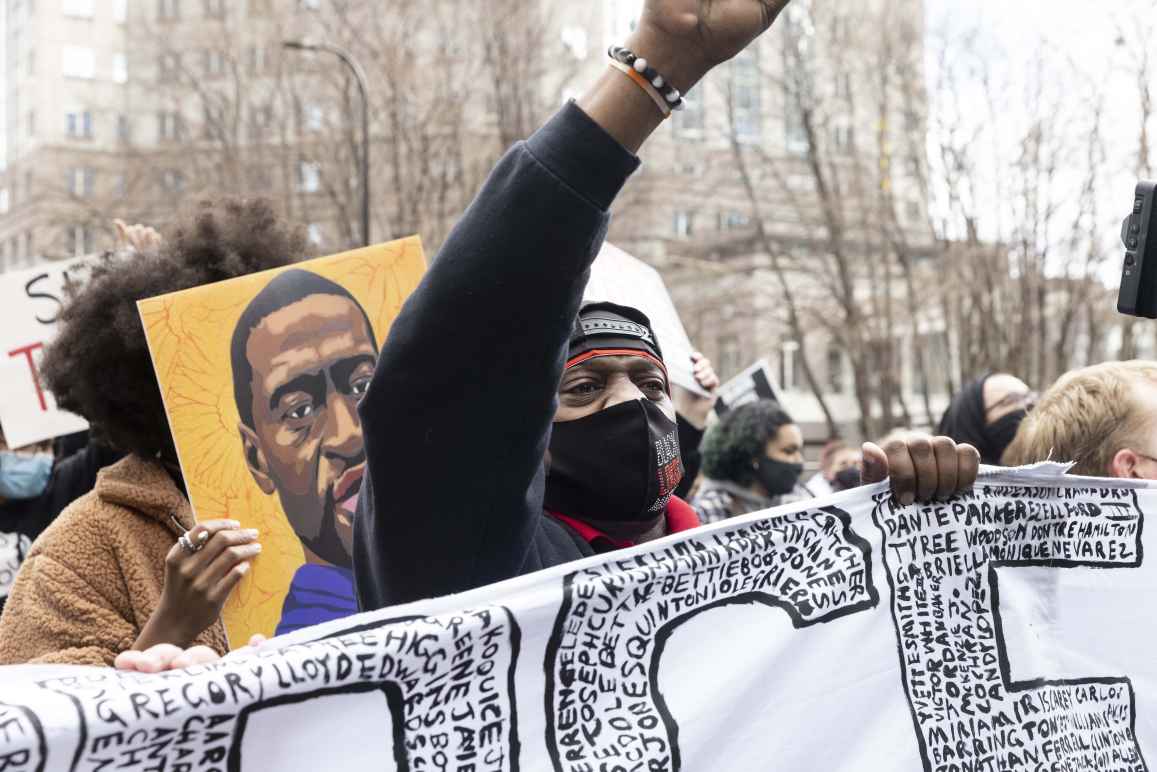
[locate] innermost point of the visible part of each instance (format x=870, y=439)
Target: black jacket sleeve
x=457, y=417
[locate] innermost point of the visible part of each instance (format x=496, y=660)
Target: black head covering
x=611, y=326
x=965, y=421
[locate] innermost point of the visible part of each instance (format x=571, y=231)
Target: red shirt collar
x=680, y=517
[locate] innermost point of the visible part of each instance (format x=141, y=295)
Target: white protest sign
x=1008, y=628
x=754, y=383
x=617, y=277
x=30, y=302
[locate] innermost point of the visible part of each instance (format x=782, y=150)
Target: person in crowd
x=692, y=411
x=125, y=566
x=986, y=414
x=1102, y=418
x=752, y=460
x=847, y=465
x=35, y=487
x=836, y=459
x=518, y=431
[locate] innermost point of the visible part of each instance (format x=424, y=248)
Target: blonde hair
x=1086, y=417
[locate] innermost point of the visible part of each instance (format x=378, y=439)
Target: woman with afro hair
x=125, y=567
x=752, y=460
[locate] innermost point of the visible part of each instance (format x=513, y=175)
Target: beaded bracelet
x=644, y=84
x=670, y=96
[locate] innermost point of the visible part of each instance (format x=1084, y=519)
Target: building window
x=309, y=5
x=215, y=9
x=796, y=132
x=120, y=68
x=845, y=138
x=4, y=201
x=260, y=119
x=169, y=66
x=312, y=117
x=214, y=63
x=684, y=224
x=29, y=243
x=308, y=176
x=732, y=220
x=835, y=370
x=81, y=181
x=914, y=211
x=168, y=9
x=574, y=39
x=80, y=241
x=258, y=61
x=170, y=125
x=315, y=234
x=120, y=11
x=844, y=87
x=78, y=9
x=79, y=62
x=119, y=186
x=172, y=181
x=730, y=356
x=78, y=125
x=689, y=122
x=746, y=86
x=789, y=365
x=124, y=129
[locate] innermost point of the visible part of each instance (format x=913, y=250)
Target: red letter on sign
x=27, y=352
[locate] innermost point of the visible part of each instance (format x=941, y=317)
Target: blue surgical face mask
x=23, y=475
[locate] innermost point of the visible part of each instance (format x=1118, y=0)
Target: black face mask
x=846, y=479
x=1000, y=434
x=778, y=477
x=619, y=464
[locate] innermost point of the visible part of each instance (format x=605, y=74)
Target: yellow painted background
x=189, y=334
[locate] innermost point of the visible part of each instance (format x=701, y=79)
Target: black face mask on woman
x=779, y=478
x=618, y=464
x=1000, y=434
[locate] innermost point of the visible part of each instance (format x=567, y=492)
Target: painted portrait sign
x=261, y=377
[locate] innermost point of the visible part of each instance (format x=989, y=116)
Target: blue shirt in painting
x=317, y=594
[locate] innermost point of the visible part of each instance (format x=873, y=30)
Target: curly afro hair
x=739, y=438
x=99, y=365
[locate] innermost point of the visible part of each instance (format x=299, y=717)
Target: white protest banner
x=617, y=277
x=1008, y=628
x=754, y=383
x=30, y=302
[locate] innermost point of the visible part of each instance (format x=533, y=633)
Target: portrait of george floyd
x=261, y=378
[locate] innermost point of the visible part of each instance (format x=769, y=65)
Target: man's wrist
x=672, y=58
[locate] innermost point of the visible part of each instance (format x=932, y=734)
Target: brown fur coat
x=94, y=577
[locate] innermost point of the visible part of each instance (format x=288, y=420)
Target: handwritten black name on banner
x=448, y=681
x=942, y=563
x=604, y=709
x=22, y=747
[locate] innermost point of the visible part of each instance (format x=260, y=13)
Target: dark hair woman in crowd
x=986, y=414
x=752, y=460
x=125, y=566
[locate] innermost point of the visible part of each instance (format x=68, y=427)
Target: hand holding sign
x=921, y=468
x=200, y=572
x=693, y=406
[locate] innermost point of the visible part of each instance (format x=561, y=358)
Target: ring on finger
x=188, y=545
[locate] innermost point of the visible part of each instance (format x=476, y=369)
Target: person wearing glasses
x=986, y=414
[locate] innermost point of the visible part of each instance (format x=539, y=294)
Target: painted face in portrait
x=311, y=362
